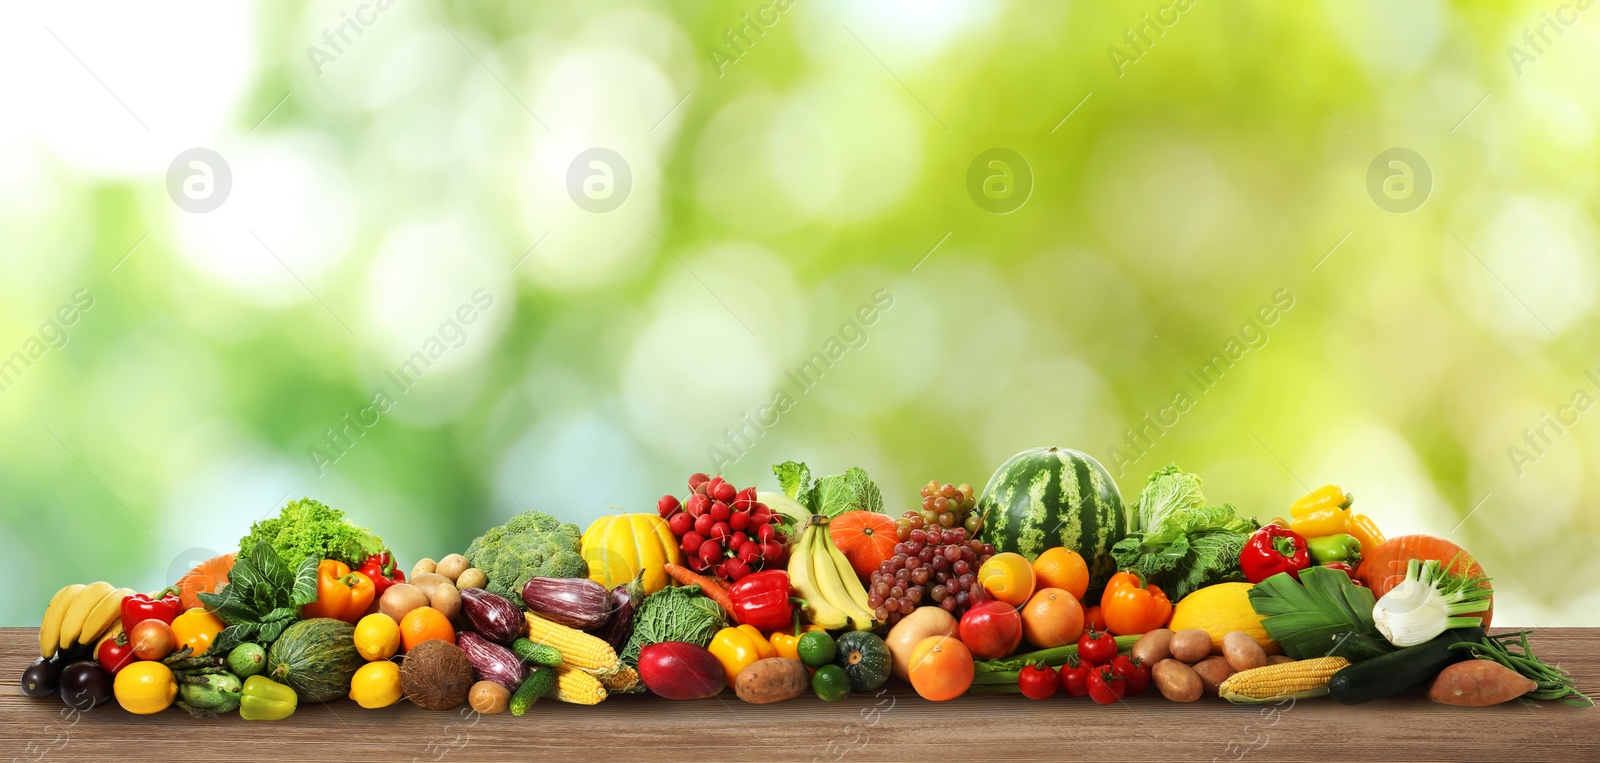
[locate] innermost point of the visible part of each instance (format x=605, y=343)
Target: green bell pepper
x=1335, y=548
x=266, y=700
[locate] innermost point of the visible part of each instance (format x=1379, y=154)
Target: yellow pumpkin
x=617, y=547
x=1219, y=610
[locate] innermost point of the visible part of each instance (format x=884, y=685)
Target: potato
x=1213, y=671
x=1242, y=652
x=489, y=698
x=423, y=565
x=425, y=582
x=446, y=599
x=452, y=566
x=472, y=577
x=774, y=679
x=400, y=599
x=1177, y=681
x=1190, y=646
x=1154, y=646
x=1278, y=659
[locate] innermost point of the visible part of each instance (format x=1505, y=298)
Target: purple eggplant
x=574, y=602
x=492, y=662
x=493, y=616
x=625, y=599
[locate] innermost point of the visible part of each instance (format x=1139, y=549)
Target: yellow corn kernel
x=1296, y=680
x=577, y=687
x=578, y=649
x=622, y=681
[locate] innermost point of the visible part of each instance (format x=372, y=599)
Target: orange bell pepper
x=1367, y=532
x=739, y=648
x=341, y=594
x=787, y=644
x=1131, y=607
x=196, y=629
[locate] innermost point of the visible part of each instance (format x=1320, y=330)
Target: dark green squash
x=316, y=658
x=865, y=659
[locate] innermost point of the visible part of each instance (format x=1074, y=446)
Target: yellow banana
x=103, y=614
x=847, y=573
x=832, y=585
x=82, y=604
x=802, y=575
x=50, y=628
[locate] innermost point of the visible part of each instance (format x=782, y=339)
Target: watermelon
x=1048, y=497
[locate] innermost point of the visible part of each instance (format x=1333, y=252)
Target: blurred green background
x=1168, y=169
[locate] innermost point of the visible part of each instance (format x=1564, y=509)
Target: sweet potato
x=775, y=679
x=1478, y=683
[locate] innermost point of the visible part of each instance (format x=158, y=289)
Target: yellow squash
x=1219, y=610
x=619, y=546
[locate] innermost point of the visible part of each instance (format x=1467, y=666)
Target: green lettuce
x=1181, y=543
x=832, y=495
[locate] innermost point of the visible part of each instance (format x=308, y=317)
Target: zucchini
x=539, y=681
x=1403, y=669
x=535, y=653
x=1359, y=647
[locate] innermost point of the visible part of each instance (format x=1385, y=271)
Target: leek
x=1429, y=602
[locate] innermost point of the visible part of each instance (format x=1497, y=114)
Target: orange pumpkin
x=867, y=538
x=1386, y=568
x=205, y=577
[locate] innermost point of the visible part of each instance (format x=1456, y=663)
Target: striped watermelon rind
x=1047, y=497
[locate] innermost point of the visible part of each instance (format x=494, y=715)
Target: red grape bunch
x=722, y=530
x=948, y=506
x=932, y=564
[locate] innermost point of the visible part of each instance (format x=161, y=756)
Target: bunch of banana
x=81, y=614
x=822, y=575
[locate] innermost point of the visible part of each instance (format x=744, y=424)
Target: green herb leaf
x=304, y=590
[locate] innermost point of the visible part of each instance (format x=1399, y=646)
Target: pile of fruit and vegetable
x=1046, y=583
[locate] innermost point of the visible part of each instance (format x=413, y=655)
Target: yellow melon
x=619, y=546
x=1219, y=610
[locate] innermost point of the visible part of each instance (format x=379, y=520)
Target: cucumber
x=1359, y=647
x=537, y=654
x=539, y=681
x=1403, y=669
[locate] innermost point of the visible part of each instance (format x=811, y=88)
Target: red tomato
x=991, y=629
x=1105, y=686
x=1075, y=677
x=1094, y=618
x=1039, y=681
x=116, y=654
x=1135, y=673
x=1097, y=647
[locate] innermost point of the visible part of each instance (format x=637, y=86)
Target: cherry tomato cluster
x=723, y=531
x=1097, y=672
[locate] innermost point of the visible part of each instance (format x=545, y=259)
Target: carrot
x=1386, y=567
x=711, y=587
x=1479, y=683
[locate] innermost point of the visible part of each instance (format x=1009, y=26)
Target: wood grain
x=897, y=725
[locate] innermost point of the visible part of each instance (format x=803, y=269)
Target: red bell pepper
x=139, y=607
x=1348, y=570
x=383, y=572
x=1274, y=549
x=762, y=600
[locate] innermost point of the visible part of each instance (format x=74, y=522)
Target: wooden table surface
x=895, y=725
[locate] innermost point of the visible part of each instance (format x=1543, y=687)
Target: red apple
x=991, y=629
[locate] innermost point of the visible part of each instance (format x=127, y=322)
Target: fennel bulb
x=1429, y=602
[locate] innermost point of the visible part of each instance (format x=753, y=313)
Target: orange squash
x=205, y=577
x=1387, y=566
x=867, y=538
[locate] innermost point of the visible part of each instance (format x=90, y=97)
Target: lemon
x=377, y=637
x=145, y=687
x=376, y=684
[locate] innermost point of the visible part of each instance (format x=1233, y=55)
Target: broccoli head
x=530, y=544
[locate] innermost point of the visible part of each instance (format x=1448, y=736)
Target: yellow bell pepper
x=739, y=648
x=1321, y=512
x=788, y=644
x=196, y=629
x=1367, y=532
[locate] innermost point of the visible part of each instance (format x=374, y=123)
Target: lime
x=816, y=648
x=831, y=683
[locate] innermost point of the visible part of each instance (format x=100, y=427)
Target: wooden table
x=896, y=725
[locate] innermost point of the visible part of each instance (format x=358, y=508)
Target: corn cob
x=578, y=649
x=577, y=687
x=623, y=681
x=1289, y=680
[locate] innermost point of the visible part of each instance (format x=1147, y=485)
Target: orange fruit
x=1052, y=617
x=941, y=668
x=1063, y=568
x=425, y=623
x=1008, y=577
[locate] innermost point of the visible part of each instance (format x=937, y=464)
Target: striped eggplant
x=1048, y=497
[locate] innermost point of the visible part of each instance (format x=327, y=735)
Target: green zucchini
x=539, y=681
x=1359, y=647
x=537, y=654
x=1402, y=669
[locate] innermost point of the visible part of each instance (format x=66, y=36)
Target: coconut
x=436, y=675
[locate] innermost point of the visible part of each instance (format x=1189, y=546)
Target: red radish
x=697, y=479
x=725, y=492
x=711, y=551
x=739, y=521
x=667, y=505
x=680, y=524
x=738, y=539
